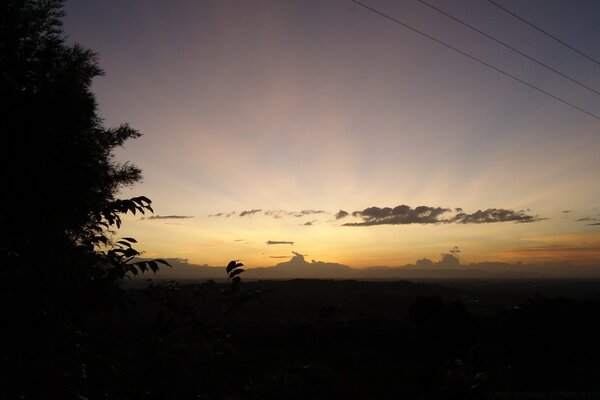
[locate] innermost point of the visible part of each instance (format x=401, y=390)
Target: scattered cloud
x=275, y=213
x=306, y=212
x=593, y=224
x=566, y=211
x=494, y=215
x=278, y=242
x=586, y=219
x=400, y=215
x=279, y=256
x=282, y=213
x=249, y=212
x=222, y=214
x=341, y=214
x=168, y=217
x=309, y=223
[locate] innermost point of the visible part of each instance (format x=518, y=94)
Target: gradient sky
x=292, y=105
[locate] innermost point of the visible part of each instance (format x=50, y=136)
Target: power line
x=473, y=58
x=508, y=46
x=545, y=33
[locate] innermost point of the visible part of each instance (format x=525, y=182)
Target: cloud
x=275, y=213
x=249, y=212
x=455, y=250
x=278, y=242
x=306, y=212
x=594, y=224
x=282, y=213
x=221, y=214
x=400, y=215
x=405, y=215
x=168, y=217
x=566, y=211
x=341, y=214
x=279, y=256
x=586, y=219
x=492, y=215
x=309, y=223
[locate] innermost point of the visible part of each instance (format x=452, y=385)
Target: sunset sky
x=261, y=120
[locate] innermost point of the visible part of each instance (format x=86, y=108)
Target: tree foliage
x=59, y=261
x=58, y=165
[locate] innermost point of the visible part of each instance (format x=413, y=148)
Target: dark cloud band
x=400, y=215
x=406, y=215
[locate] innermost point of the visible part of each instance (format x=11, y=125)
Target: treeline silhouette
x=349, y=340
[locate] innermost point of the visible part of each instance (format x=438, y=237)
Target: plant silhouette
x=233, y=270
x=59, y=262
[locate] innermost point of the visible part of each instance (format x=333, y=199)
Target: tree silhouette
x=58, y=261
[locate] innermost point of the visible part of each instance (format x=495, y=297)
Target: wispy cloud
x=305, y=212
x=309, y=223
x=249, y=212
x=278, y=242
x=277, y=214
x=168, y=217
x=222, y=214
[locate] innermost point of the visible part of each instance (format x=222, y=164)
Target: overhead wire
x=508, y=46
x=530, y=85
x=545, y=32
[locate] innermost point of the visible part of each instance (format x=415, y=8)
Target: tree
x=59, y=169
x=60, y=181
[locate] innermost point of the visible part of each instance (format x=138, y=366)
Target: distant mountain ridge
x=448, y=268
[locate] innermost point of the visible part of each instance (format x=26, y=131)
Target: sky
x=263, y=120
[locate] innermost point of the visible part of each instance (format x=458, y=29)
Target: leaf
x=129, y=239
x=144, y=199
x=133, y=270
x=163, y=262
x=153, y=266
x=231, y=266
x=236, y=272
x=131, y=252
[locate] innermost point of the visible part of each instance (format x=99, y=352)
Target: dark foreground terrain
x=313, y=339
